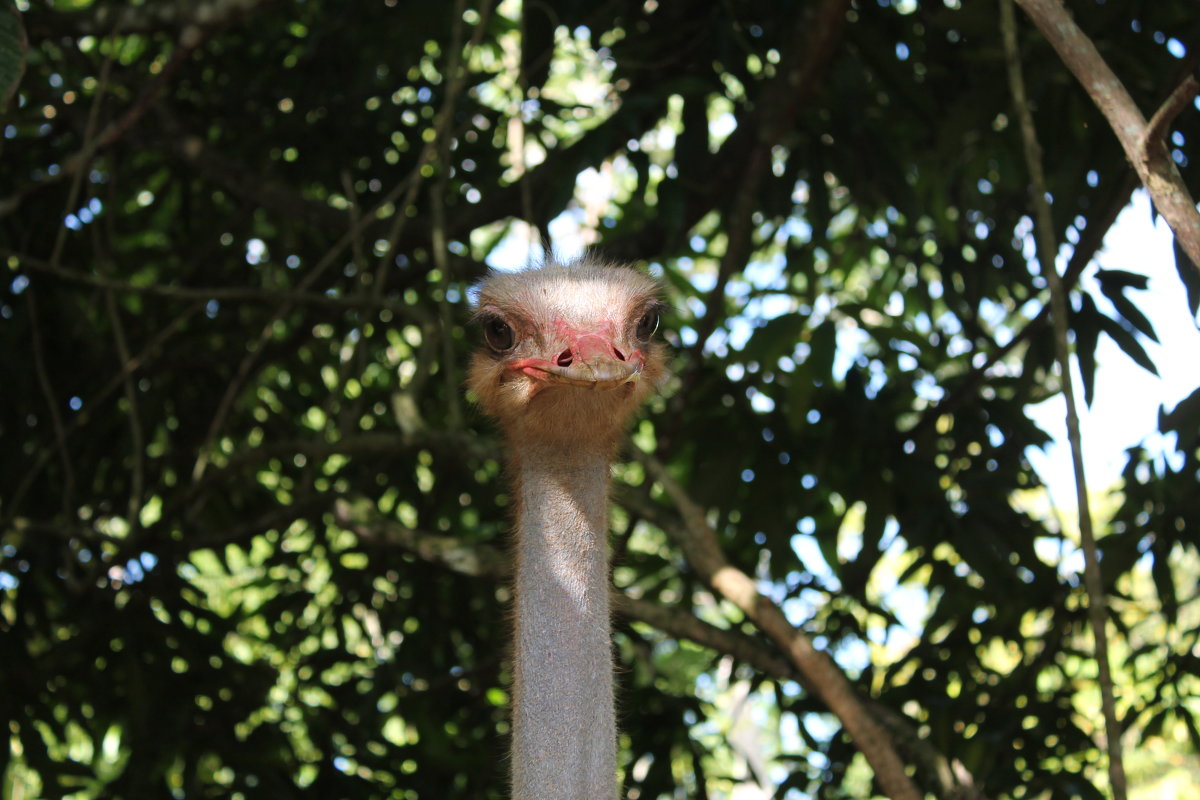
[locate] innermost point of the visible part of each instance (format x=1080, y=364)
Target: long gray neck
x=564, y=732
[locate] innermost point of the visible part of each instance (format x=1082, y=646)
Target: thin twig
x=356, y=226
x=222, y=294
x=255, y=349
x=190, y=39
x=137, y=479
x=450, y=377
x=89, y=147
x=1176, y=102
x=136, y=434
x=347, y=411
x=39, y=355
x=48, y=393
x=441, y=125
x=437, y=201
x=75, y=166
x=516, y=131
x=128, y=368
x=1046, y=249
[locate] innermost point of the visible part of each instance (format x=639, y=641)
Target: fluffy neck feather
x=564, y=733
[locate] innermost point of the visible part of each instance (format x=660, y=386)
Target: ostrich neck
x=564, y=733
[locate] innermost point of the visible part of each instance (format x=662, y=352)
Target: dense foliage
x=251, y=529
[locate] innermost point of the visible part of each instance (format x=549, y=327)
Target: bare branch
x=1047, y=249
x=476, y=560
x=245, y=182
x=784, y=97
x=128, y=367
x=77, y=164
x=161, y=15
x=51, y=398
x=1157, y=171
x=822, y=675
x=1176, y=102
x=485, y=561
x=137, y=436
x=222, y=294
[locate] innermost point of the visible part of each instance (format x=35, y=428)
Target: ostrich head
x=567, y=351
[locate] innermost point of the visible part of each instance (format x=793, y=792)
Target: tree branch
x=76, y=164
x=242, y=180
x=476, y=560
x=1090, y=242
x=51, y=398
x=161, y=15
x=485, y=561
x=129, y=367
x=1176, y=102
x=782, y=100
x=224, y=294
x=822, y=675
x=1047, y=248
x=1156, y=170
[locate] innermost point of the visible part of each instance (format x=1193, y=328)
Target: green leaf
x=1119, y=280
x=777, y=338
x=1128, y=343
x=537, y=45
x=14, y=46
x=1184, y=419
x=1189, y=273
x=1087, y=336
x=1189, y=722
x=691, y=146
x=1113, y=284
x=1164, y=582
x=1133, y=315
x=827, y=542
x=1154, y=726
x=823, y=349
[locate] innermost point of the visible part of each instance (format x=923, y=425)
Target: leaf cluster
x=252, y=533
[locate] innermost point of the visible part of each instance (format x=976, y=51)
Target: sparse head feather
x=584, y=289
x=568, y=353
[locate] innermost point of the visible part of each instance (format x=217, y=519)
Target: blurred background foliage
x=252, y=531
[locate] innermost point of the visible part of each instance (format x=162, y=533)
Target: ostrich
x=567, y=358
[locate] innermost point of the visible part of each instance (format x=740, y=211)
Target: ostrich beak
x=597, y=372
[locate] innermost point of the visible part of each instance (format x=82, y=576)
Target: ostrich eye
x=498, y=335
x=647, y=325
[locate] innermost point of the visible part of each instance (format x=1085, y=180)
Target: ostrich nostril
x=620, y=356
x=564, y=358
